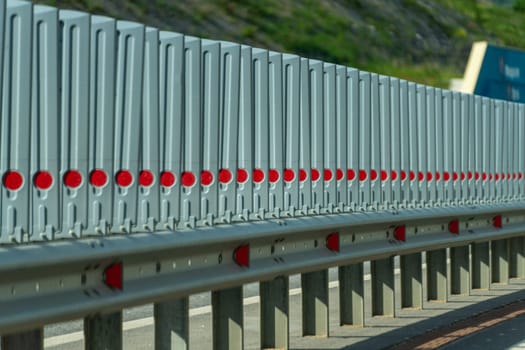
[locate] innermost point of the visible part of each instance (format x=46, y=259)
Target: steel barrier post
x=30, y=340
x=383, y=302
x=411, y=281
x=517, y=257
x=315, y=303
x=172, y=324
x=459, y=270
x=274, y=313
x=480, y=265
x=500, y=261
x=227, y=310
x=436, y=261
x=103, y=332
x=351, y=295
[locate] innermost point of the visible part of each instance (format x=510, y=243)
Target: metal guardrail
x=160, y=165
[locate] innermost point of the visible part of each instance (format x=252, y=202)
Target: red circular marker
x=225, y=176
x=429, y=176
x=497, y=176
x=384, y=175
x=350, y=174
x=242, y=175
x=258, y=175
x=288, y=175
x=484, y=176
x=13, y=180
x=187, y=179
x=146, y=178
x=362, y=175
x=339, y=174
x=303, y=175
x=463, y=176
x=412, y=175
x=273, y=175
x=438, y=176
x=393, y=175
x=43, y=180
x=514, y=176
x=446, y=176
x=491, y=176
x=470, y=175
x=124, y=178
x=373, y=175
x=476, y=175
x=315, y=174
x=455, y=176
x=98, y=178
x=327, y=175
x=206, y=178
x=420, y=176
x=73, y=179
x=167, y=179
x=403, y=175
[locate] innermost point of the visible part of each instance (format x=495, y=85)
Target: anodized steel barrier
x=132, y=157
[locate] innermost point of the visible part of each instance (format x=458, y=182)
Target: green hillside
x=426, y=41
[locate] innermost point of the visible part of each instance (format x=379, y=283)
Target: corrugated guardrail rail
x=143, y=166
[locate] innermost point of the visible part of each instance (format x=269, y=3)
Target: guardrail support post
x=103, y=332
x=351, y=295
x=459, y=270
x=274, y=313
x=500, y=261
x=382, y=278
x=411, y=281
x=30, y=340
x=517, y=257
x=227, y=311
x=480, y=265
x=315, y=303
x=172, y=324
x=436, y=261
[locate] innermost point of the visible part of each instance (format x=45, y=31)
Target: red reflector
x=420, y=176
x=373, y=175
x=206, y=178
x=315, y=174
x=339, y=174
x=288, y=175
x=362, y=175
x=446, y=176
x=384, y=175
x=273, y=175
x=187, y=179
x=113, y=276
x=393, y=175
x=332, y=242
x=497, y=221
x=350, y=174
x=241, y=255
x=242, y=175
x=484, y=176
x=258, y=176
x=476, y=176
x=98, y=178
x=503, y=176
x=455, y=176
x=400, y=233
x=491, y=176
x=453, y=227
x=13, y=180
x=429, y=176
x=167, y=179
x=225, y=176
x=403, y=175
x=470, y=175
x=124, y=178
x=412, y=175
x=463, y=176
x=43, y=180
x=438, y=176
x=303, y=175
x=146, y=178
x=327, y=175
x=497, y=176
x=73, y=179
x=520, y=176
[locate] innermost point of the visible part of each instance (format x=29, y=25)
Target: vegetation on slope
x=426, y=41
